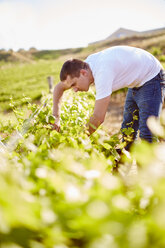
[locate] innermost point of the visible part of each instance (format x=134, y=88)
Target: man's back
x=121, y=66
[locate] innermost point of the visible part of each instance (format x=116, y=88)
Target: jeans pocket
x=163, y=91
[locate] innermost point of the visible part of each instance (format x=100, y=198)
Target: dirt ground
x=114, y=114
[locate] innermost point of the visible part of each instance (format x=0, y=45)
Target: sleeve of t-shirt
x=103, y=82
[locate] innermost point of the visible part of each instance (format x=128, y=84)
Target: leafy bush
x=58, y=190
x=162, y=58
x=156, y=51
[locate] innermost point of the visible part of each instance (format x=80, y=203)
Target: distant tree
x=32, y=50
x=10, y=50
x=2, y=50
x=21, y=50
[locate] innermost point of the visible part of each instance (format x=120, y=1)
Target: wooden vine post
x=50, y=84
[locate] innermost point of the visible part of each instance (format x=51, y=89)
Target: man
x=110, y=70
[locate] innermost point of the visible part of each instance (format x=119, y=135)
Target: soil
x=114, y=116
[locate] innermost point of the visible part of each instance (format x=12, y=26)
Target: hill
x=119, y=33
x=152, y=40
x=33, y=54
x=125, y=33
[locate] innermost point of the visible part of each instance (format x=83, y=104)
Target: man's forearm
x=57, y=95
x=93, y=124
x=99, y=113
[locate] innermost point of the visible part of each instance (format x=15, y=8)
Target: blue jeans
x=143, y=102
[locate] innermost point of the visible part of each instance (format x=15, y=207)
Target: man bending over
x=110, y=70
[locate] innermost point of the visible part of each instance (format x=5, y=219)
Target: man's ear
x=83, y=72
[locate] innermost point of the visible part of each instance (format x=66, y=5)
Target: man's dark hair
x=72, y=68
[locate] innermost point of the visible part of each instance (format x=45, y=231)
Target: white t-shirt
x=121, y=66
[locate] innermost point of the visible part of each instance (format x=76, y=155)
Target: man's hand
x=93, y=124
x=56, y=126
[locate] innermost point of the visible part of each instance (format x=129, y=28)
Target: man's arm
x=99, y=113
x=57, y=95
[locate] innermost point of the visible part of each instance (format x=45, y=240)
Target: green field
x=22, y=79
x=67, y=189
x=29, y=80
x=61, y=190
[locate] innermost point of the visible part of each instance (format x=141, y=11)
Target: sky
x=60, y=24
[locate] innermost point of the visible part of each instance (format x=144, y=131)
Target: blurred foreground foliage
x=58, y=190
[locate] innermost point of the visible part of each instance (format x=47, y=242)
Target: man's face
x=80, y=83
